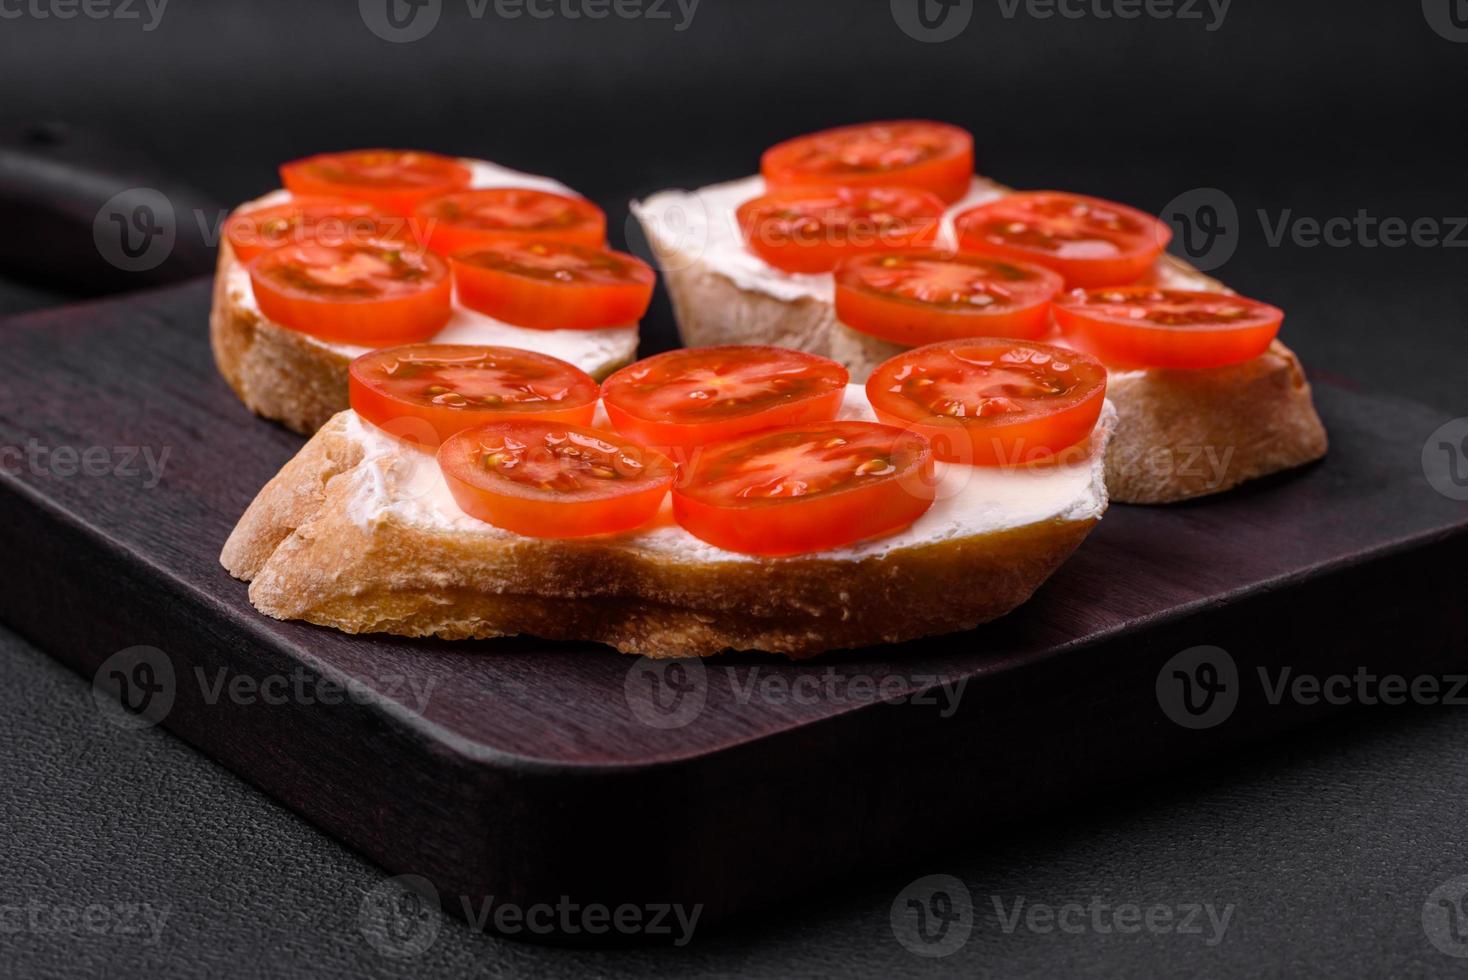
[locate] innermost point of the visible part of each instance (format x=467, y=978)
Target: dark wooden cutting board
x=536, y=770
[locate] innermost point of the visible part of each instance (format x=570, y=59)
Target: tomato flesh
x=1089, y=241
x=928, y=156
x=914, y=298
x=332, y=220
x=811, y=229
x=797, y=489
x=697, y=396
x=424, y=393
x=1143, y=326
x=552, y=285
x=550, y=480
x=372, y=294
x=992, y=401
x=396, y=181
x=490, y=215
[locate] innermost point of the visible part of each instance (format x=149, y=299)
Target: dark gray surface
x=1327, y=845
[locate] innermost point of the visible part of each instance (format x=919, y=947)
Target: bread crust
x=1182, y=434
x=279, y=373
x=308, y=557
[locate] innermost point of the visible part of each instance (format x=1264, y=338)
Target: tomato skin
x=777, y=526
x=1019, y=296
x=609, y=505
x=781, y=387
x=929, y=156
x=387, y=388
x=1090, y=241
x=549, y=285
x=255, y=230
x=396, y=181
x=1025, y=426
x=1148, y=327
x=365, y=311
x=810, y=229
x=484, y=217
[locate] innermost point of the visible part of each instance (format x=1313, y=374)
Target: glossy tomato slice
x=929, y=156
x=991, y=401
x=372, y=294
x=327, y=219
x=913, y=298
x=802, y=488
x=554, y=285
x=393, y=180
x=1143, y=326
x=549, y=480
x=693, y=397
x=491, y=215
x=810, y=229
x=424, y=393
x=1089, y=241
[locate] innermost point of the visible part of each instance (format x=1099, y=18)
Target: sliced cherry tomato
x=1089, y=241
x=802, y=488
x=548, y=480
x=454, y=386
x=553, y=285
x=396, y=181
x=991, y=401
x=693, y=397
x=492, y=215
x=374, y=294
x=328, y=219
x=1143, y=326
x=811, y=229
x=929, y=156
x=913, y=298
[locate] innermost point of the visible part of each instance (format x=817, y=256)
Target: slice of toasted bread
x=301, y=381
x=359, y=533
x=1181, y=434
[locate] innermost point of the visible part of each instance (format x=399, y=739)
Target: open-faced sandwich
x=860, y=242
x=372, y=248
x=696, y=501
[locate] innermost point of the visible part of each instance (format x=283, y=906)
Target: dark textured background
x=1328, y=844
